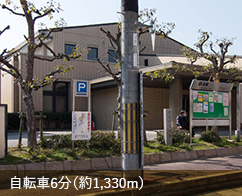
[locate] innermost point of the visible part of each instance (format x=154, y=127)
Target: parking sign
x=81, y=88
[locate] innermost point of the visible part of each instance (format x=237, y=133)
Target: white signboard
x=2, y=131
x=81, y=125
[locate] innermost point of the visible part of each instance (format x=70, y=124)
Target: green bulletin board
x=210, y=104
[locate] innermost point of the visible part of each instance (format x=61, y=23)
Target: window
x=112, y=56
x=146, y=62
x=92, y=53
x=55, y=97
x=69, y=49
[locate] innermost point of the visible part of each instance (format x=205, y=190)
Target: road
x=13, y=137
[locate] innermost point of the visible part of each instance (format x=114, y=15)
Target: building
x=58, y=97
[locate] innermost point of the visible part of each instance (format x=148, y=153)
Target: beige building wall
x=7, y=91
x=155, y=100
x=104, y=102
x=84, y=37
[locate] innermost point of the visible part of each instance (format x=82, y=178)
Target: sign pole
x=89, y=107
x=190, y=115
x=230, y=115
x=239, y=108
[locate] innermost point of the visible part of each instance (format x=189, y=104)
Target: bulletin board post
x=81, y=88
x=210, y=104
x=239, y=110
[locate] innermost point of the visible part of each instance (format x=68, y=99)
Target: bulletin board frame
x=207, y=112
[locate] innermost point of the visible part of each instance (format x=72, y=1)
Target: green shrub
x=210, y=136
x=99, y=140
x=180, y=136
x=160, y=138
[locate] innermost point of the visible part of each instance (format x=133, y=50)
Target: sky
x=221, y=17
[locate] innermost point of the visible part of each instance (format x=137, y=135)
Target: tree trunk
x=30, y=118
x=28, y=99
x=218, y=76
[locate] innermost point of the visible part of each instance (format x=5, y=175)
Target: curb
x=107, y=163
x=183, y=187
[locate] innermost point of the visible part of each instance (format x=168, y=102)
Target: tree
x=218, y=62
x=145, y=16
x=217, y=59
x=27, y=81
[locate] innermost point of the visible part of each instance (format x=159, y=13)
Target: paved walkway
x=194, y=176
x=232, y=162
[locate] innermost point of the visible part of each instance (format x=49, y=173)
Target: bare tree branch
x=109, y=35
x=231, y=60
x=108, y=70
x=211, y=48
x=6, y=28
x=144, y=47
x=11, y=67
x=12, y=52
x=4, y=51
x=7, y=71
x=113, y=57
x=114, y=40
x=43, y=15
x=19, y=14
x=46, y=82
x=143, y=31
x=42, y=36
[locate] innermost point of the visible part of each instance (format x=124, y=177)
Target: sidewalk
x=170, y=178
x=175, y=178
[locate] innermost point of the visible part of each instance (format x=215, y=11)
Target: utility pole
x=130, y=92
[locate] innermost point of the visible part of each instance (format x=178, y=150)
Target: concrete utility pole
x=130, y=92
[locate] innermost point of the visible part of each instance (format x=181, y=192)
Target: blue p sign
x=81, y=88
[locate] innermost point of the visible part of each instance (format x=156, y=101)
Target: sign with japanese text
x=81, y=125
